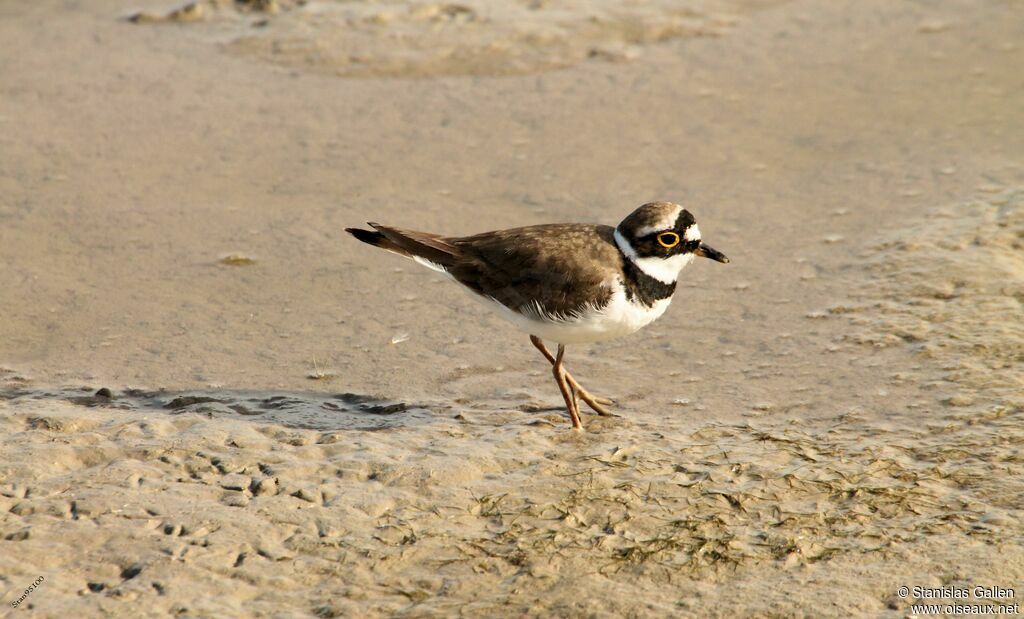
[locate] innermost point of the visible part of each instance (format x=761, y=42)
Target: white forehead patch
x=692, y=233
x=666, y=222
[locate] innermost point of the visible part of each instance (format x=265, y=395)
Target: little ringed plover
x=570, y=283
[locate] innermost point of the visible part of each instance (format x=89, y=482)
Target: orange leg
x=563, y=385
x=593, y=402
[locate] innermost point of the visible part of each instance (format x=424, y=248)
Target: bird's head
x=661, y=238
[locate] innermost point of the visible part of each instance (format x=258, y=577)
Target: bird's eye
x=668, y=239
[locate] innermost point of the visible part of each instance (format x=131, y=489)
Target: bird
x=568, y=283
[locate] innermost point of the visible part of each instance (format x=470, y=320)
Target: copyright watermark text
x=956, y=600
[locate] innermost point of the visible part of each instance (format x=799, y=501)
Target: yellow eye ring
x=668, y=239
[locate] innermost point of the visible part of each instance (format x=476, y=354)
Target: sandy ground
x=836, y=413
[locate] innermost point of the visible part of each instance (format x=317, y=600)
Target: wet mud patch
x=310, y=411
x=423, y=38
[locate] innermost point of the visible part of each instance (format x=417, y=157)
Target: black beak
x=706, y=251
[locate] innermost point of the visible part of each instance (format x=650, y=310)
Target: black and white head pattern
x=660, y=238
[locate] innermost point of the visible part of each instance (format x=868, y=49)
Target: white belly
x=618, y=318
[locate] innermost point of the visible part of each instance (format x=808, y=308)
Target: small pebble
x=235, y=482
x=959, y=399
x=933, y=26
x=305, y=494
x=236, y=260
x=265, y=487
x=235, y=499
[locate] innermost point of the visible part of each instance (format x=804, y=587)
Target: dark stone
x=189, y=400
x=132, y=571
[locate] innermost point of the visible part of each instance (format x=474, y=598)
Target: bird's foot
x=594, y=402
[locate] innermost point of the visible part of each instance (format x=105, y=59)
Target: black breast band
x=642, y=287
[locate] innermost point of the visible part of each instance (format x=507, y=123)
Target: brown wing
x=558, y=267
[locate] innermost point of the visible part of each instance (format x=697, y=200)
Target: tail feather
x=432, y=248
x=372, y=237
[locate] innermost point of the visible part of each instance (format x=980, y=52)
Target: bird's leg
x=563, y=386
x=573, y=392
x=543, y=349
x=592, y=401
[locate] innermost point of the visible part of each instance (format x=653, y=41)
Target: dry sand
x=836, y=413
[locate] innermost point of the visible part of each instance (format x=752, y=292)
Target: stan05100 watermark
x=28, y=592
